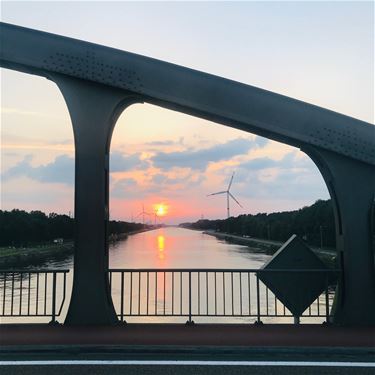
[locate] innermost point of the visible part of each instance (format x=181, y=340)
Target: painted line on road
x=186, y=363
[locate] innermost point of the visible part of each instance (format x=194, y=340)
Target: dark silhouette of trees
x=119, y=227
x=20, y=228
x=311, y=223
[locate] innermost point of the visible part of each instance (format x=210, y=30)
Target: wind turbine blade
x=220, y=192
x=235, y=199
x=231, y=180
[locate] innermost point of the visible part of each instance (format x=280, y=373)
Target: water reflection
x=181, y=248
x=161, y=242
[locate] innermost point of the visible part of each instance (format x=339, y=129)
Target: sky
x=318, y=52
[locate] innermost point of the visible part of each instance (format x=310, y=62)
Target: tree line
x=315, y=224
x=19, y=228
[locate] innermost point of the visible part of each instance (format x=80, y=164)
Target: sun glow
x=161, y=209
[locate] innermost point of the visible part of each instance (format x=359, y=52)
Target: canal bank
x=26, y=256
x=115, y=237
x=268, y=246
x=19, y=257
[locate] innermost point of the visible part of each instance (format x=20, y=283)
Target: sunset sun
x=161, y=210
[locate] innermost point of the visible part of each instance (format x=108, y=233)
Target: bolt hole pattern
x=88, y=66
x=344, y=141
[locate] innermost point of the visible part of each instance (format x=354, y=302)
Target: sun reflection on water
x=161, y=246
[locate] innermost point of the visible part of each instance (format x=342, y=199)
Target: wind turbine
x=143, y=213
x=229, y=194
x=155, y=216
x=154, y=213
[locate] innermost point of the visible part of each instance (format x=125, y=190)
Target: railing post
x=327, y=300
x=53, y=320
x=190, y=321
x=64, y=293
x=296, y=319
x=190, y=297
x=258, y=302
x=5, y=289
x=122, y=295
x=11, y=304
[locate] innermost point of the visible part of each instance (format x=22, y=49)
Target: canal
x=174, y=247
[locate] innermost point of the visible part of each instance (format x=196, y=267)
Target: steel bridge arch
x=98, y=83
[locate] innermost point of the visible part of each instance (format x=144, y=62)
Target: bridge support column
x=94, y=110
x=351, y=186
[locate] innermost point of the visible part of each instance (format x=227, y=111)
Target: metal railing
x=190, y=293
x=32, y=293
x=207, y=293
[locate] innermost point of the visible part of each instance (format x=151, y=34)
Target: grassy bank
x=20, y=256
x=270, y=247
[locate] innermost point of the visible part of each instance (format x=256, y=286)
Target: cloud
x=123, y=163
x=159, y=179
x=157, y=184
x=15, y=141
x=124, y=188
x=291, y=184
x=259, y=163
x=11, y=154
x=167, y=142
x=63, y=142
x=188, y=181
x=22, y=112
x=161, y=143
x=291, y=177
x=61, y=170
x=290, y=160
x=199, y=159
x=261, y=142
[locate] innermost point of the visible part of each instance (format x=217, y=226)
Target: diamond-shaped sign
x=296, y=290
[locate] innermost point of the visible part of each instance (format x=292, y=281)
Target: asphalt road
x=202, y=360
x=181, y=370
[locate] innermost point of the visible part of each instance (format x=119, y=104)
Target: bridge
x=98, y=83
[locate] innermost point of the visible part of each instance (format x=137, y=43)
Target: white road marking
x=186, y=363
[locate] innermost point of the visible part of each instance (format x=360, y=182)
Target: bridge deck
x=197, y=335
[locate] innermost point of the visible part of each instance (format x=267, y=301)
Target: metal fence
x=190, y=293
x=32, y=293
x=207, y=293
